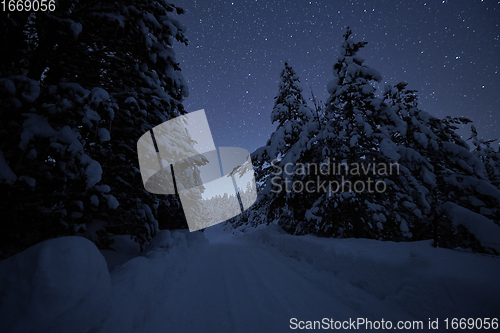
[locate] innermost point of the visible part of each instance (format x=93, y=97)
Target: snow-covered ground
x=234, y=281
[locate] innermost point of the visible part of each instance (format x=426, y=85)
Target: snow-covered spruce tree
x=435, y=169
x=43, y=158
x=318, y=108
x=290, y=111
x=438, y=168
x=427, y=170
x=355, y=144
x=295, y=121
x=92, y=79
x=488, y=155
x=351, y=133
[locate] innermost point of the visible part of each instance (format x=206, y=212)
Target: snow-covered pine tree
x=355, y=135
x=401, y=106
x=295, y=121
x=435, y=171
x=438, y=167
x=46, y=170
x=145, y=84
x=318, y=108
x=92, y=79
x=488, y=155
x=290, y=111
x=352, y=132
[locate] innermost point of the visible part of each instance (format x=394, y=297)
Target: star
x=252, y=40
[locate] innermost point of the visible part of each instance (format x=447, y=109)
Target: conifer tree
x=290, y=111
x=434, y=170
x=438, y=168
x=355, y=136
x=488, y=155
x=92, y=78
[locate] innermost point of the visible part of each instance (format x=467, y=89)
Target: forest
x=80, y=85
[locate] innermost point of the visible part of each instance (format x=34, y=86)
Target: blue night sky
x=447, y=50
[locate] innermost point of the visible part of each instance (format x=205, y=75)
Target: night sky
x=447, y=50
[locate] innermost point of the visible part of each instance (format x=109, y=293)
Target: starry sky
x=448, y=50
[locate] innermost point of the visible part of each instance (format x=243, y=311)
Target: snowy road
x=236, y=288
x=243, y=290
x=230, y=287
x=255, y=281
x=233, y=285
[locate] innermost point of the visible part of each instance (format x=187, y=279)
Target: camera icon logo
x=179, y=157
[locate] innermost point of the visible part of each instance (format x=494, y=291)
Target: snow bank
x=60, y=285
x=180, y=239
x=414, y=277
